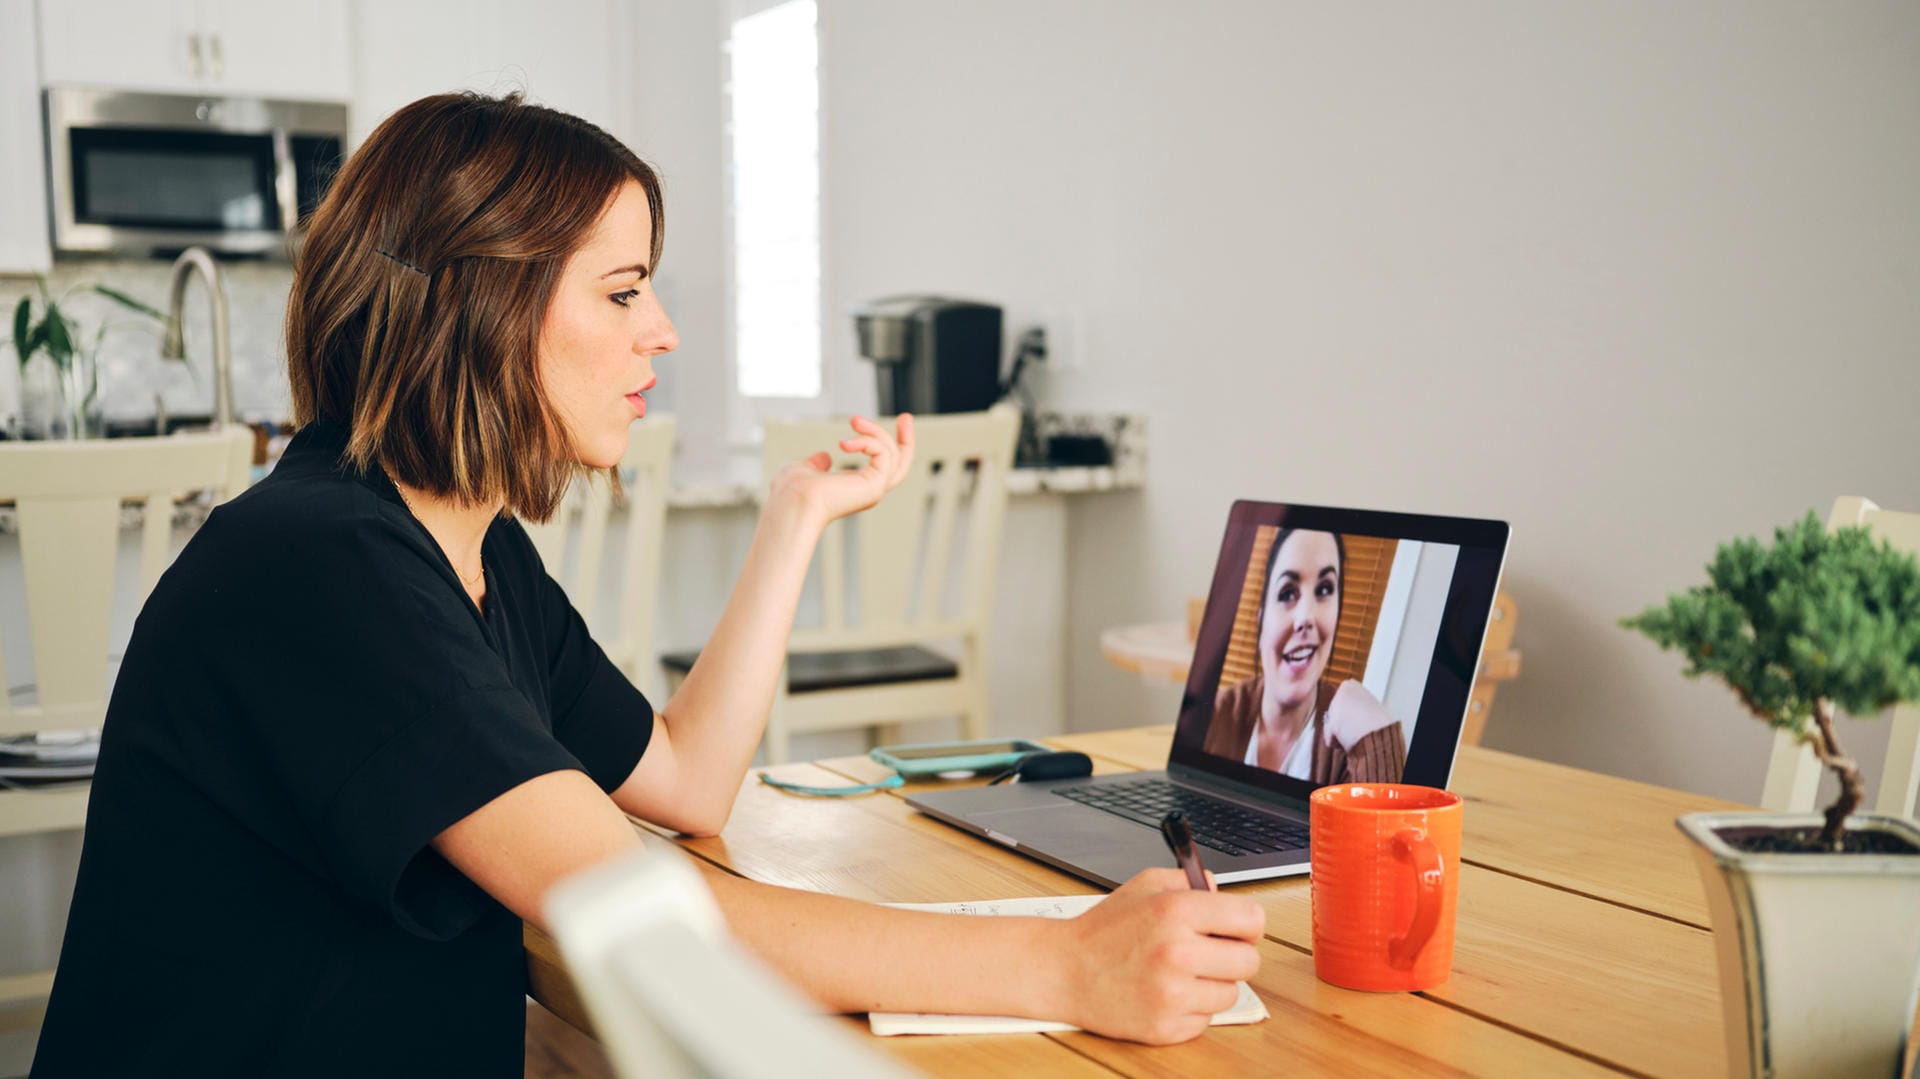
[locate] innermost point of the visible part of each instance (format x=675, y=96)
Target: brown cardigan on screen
x=1380, y=757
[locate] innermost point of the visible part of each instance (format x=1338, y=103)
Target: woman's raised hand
x=833, y=494
x=1156, y=959
x=1353, y=714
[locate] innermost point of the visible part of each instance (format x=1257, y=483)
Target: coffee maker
x=931, y=354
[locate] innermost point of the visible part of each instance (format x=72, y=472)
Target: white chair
x=573, y=543
x=1793, y=774
x=873, y=666
x=671, y=995
x=67, y=500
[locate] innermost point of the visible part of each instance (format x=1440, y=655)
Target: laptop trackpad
x=1075, y=831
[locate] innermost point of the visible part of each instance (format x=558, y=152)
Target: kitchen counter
x=1125, y=433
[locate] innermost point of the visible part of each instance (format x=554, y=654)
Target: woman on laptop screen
x=1288, y=717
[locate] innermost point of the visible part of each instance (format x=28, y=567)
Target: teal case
x=961, y=760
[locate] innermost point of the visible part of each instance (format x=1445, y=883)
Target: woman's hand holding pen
x=830, y=494
x=1157, y=959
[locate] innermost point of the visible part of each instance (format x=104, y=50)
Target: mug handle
x=1413, y=847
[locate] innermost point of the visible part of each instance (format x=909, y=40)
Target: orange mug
x=1386, y=882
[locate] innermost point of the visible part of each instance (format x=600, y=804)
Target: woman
x=359, y=733
x=1287, y=718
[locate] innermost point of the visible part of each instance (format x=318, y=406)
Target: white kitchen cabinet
x=296, y=49
x=101, y=43
x=572, y=55
x=24, y=247
x=268, y=48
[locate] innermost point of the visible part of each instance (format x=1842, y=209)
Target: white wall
x=678, y=128
x=1637, y=277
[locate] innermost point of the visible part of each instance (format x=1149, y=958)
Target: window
x=773, y=172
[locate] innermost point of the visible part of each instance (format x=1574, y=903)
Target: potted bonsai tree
x=1816, y=916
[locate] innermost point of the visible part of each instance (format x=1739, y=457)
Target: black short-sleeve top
x=308, y=698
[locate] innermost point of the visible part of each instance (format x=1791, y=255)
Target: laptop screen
x=1338, y=646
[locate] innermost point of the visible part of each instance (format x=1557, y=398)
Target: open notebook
x=1247, y=1009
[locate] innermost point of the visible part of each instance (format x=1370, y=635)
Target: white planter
x=1819, y=954
x=60, y=404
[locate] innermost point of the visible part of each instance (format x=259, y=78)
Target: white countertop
x=1128, y=472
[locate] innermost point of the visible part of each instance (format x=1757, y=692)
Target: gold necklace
x=470, y=582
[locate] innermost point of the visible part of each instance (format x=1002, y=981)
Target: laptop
x=1338, y=645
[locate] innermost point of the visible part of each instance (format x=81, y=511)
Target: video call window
x=1328, y=657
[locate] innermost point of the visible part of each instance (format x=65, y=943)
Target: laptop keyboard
x=1222, y=825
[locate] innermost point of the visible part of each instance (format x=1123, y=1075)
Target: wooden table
x=1582, y=946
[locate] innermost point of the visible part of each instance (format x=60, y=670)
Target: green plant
x=60, y=335
x=58, y=332
x=1815, y=620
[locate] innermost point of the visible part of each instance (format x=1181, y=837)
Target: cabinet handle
x=216, y=60
x=195, y=65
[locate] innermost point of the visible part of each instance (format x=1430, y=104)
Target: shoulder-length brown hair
x=418, y=298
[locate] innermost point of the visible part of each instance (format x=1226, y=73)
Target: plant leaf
x=129, y=302
x=1815, y=617
x=22, y=314
x=59, y=338
x=93, y=388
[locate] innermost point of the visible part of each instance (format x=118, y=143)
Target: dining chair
x=905, y=589
x=1499, y=662
x=572, y=545
x=68, y=498
x=672, y=996
x=1793, y=774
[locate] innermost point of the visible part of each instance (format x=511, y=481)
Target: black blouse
x=308, y=698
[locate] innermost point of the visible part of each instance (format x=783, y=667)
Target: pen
x=1173, y=828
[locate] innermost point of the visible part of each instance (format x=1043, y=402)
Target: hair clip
x=383, y=253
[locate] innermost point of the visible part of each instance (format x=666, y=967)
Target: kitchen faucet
x=174, y=346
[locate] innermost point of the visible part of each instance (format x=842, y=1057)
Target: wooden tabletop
x=1582, y=946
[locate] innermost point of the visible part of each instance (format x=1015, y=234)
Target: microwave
x=137, y=173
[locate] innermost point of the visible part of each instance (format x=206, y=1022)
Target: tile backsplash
x=131, y=370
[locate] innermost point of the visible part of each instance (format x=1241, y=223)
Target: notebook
x=1247, y=1009
x=1338, y=645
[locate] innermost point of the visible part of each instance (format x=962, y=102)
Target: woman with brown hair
x=1289, y=717
x=359, y=732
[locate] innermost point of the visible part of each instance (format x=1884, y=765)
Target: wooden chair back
x=1499, y=662
x=886, y=575
x=572, y=545
x=67, y=500
x=672, y=995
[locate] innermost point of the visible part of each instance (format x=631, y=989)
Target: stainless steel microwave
x=136, y=172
